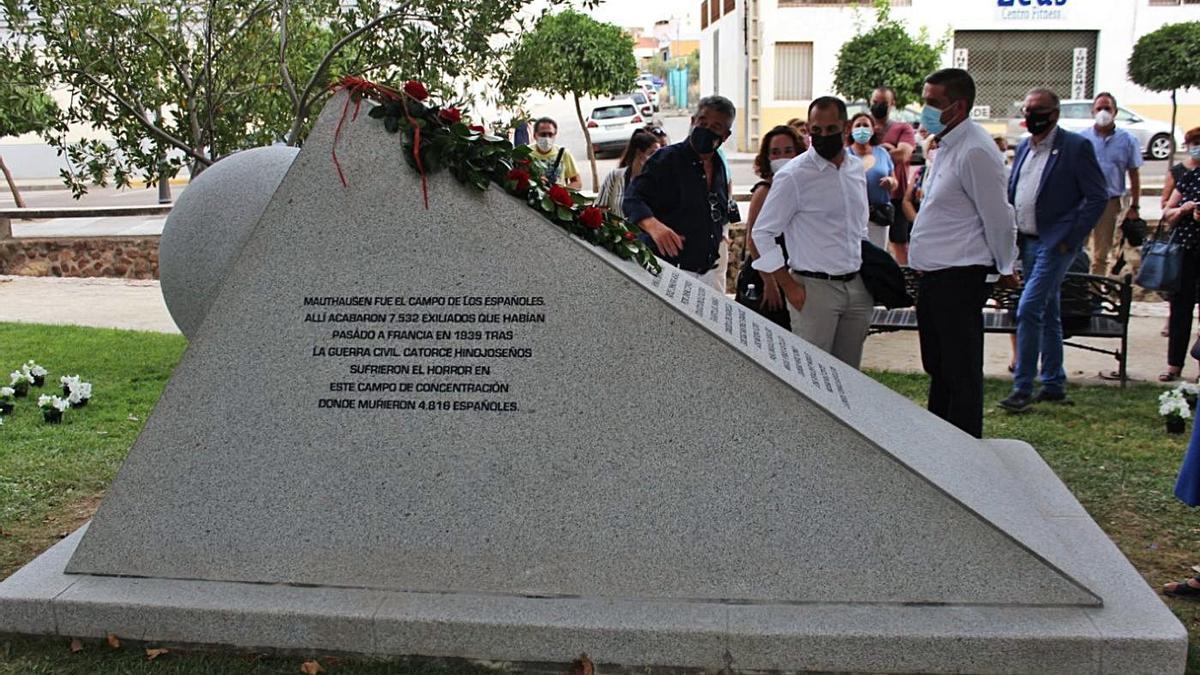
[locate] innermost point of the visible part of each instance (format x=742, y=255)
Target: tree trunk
x=12, y=185
x=1174, y=111
x=587, y=139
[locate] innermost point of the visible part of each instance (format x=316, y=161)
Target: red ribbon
x=359, y=88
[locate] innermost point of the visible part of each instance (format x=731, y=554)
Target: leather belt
x=827, y=277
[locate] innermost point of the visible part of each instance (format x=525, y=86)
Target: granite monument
x=462, y=432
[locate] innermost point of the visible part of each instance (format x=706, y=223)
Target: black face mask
x=828, y=146
x=704, y=141
x=1038, y=121
x=879, y=111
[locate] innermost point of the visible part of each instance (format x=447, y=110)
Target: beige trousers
x=1101, y=237
x=835, y=317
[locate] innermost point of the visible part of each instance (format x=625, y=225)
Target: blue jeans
x=1039, y=317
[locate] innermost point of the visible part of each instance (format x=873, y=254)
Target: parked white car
x=611, y=124
x=644, y=106
x=651, y=93
x=1076, y=115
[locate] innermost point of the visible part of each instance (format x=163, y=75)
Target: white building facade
x=772, y=57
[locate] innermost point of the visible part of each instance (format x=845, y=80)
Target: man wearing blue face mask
x=681, y=198
x=965, y=234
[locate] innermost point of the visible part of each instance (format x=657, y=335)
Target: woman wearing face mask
x=1180, y=215
x=1190, y=161
x=880, y=181
x=778, y=147
x=641, y=145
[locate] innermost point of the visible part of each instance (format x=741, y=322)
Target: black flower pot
x=66, y=391
x=6, y=408
x=39, y=380
x=52, y=416
x=21, y=389
x=1176, y=425
x=82, y=402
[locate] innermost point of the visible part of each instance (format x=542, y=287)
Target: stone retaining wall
x=120, y=257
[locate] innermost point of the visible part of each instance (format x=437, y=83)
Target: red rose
x=592, y=218
x=630, y=236
x=521, y=176
x=559, y=195
x=477, y=129
x=451, y=115
x=416, y=90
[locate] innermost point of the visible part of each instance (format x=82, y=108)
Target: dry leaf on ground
x=152, y=654
x=76, y=645
x=113, y=641
x=311, y=668
x=582, y=666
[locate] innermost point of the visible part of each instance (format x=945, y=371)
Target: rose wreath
x=441, y=137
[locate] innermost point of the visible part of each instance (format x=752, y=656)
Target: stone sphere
x=209, y=225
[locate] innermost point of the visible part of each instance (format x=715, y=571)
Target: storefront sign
x=1079, y=73
x=1031, y=10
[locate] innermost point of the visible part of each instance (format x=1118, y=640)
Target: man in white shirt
x=818, y=201
x=964, y=235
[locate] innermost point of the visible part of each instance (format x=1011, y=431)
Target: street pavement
x=561, y=109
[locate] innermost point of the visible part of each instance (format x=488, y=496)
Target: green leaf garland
x=477, y=158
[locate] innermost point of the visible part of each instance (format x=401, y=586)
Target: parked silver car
x=1153, y=135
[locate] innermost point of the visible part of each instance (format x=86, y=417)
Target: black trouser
x=901, y=228
x=1183, y=303
x=950, y=325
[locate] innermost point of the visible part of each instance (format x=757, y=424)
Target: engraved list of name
x=435, y=353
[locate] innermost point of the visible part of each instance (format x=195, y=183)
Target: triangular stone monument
x=461, y=432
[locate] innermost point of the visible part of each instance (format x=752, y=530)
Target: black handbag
x=1134, y=231
x=883, y=214
x=883, y=277
x=749, y=293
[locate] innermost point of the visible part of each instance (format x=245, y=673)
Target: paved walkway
x=138, y=305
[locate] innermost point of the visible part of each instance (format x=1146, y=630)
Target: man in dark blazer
x=1058, y=192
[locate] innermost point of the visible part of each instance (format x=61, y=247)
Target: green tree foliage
x=25, y=107
x=1168, y=60
x=572, y=54
x=186, y=82
x=886, y=55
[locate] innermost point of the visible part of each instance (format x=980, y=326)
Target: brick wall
x=120, y=257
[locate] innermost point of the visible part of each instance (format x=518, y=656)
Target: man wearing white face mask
x=1119, y=154
x=964, y=237
x=560, y=165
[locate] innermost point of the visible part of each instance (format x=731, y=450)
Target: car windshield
x=613, y=112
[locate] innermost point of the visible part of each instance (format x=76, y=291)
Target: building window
x=730, y=5
x=703, y=14
x=793, y=71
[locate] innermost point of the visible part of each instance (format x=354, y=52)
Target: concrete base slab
x=1133, y=632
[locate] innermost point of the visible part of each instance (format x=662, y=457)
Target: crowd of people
x=837, y=187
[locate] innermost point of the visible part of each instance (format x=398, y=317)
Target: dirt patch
x=29, y=540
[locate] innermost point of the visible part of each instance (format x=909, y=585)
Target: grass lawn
x=1109, y=447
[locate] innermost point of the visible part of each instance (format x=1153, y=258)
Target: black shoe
x=1044, y=396
x=1017, y=402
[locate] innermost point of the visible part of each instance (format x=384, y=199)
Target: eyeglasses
x=657, y=131
x=714, y=208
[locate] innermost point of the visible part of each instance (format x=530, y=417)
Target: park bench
x=1092, y=306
